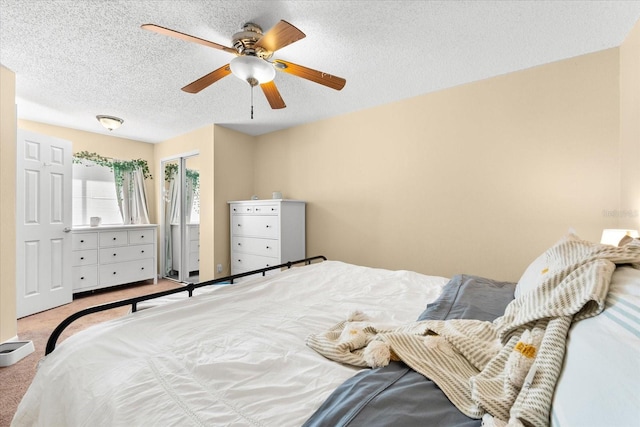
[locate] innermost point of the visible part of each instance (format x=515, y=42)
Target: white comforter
x=236, y=356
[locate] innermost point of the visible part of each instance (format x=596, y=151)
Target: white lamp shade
x=252, y=67
x=612, y=236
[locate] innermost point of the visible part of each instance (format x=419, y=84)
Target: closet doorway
x=181, y=218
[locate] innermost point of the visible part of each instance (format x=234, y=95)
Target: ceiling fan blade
x=273, y=95
x=206, y=81
x=329, y=80
x=187, y=37
x=280, y=35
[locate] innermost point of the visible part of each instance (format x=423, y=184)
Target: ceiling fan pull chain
x=251, y=102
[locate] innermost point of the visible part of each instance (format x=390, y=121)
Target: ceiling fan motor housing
x=245, y=40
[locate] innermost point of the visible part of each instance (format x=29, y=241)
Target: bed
x=244, y=354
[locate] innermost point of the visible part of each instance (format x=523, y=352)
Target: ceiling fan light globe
x=251, y=67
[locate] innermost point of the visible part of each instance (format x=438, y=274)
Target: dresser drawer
x=113, y=238
x=241, y=209
x=257, y=246
x=256, y=226
x=141, y=236
x=84, y=277
x=266, y=209
x=86, y=257
x=125, y=253
x=194, y=261
x=125, y=272
x=84, y=241
x=247, y=262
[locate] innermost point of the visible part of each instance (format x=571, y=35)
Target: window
x=94, y=194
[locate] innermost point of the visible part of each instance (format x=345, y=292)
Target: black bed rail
x=133, y=302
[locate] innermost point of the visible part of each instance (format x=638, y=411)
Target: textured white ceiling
x=74, y=59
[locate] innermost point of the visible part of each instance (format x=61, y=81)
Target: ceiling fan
x=253, y=62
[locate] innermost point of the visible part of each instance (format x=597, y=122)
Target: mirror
x=181, y=219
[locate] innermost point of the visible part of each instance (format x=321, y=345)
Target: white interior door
x=43, y=212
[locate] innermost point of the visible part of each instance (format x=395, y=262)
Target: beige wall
x=630, y=130
x=476, y=179
x=233, y=165
x=8, y=324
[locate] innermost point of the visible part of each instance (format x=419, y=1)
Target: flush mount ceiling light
x=110, y=122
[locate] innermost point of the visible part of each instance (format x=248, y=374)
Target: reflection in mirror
x=181, y=189
x=191, y=253
x=171, y=204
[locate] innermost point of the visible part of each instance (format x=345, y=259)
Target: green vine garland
x=171, y=169
x=117, y=166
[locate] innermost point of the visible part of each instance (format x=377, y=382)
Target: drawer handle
x=239, y=260
x=81, y=258
x=142, y=268
x=239, y=244
x=114, y=238
x=82, y=278
x=273, y=209
x=268, y=247
x=81, y=241
x=141, y=251
x=114, y=272
x=114, y=254
x=239, y=225
x=142, y=237
x=268, y=226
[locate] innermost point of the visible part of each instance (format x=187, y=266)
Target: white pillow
x=598, y=385
x=532, y=276
x=537, y=271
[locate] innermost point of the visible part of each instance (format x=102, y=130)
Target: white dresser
x=266, y=233
x=193, y=247
x=108, y=256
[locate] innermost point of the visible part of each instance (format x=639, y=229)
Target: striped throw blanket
x=473, y=361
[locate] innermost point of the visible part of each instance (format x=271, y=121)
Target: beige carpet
x=15, y=379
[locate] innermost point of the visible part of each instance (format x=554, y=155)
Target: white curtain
x=189, y=197
x=132, y=198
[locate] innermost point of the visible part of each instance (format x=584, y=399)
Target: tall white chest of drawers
x=266, y=233
x=109, y=256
